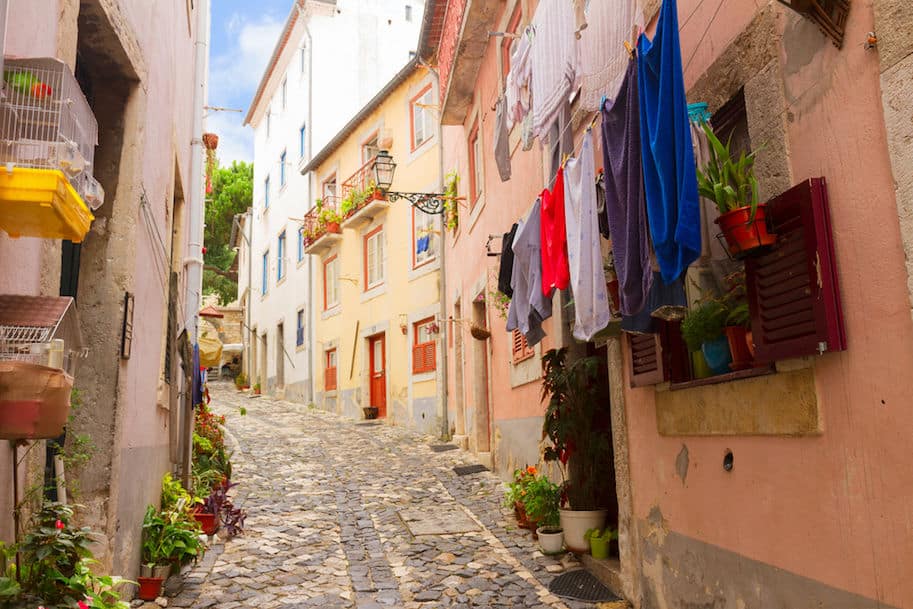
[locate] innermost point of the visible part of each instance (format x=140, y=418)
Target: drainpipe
x=194, y=260
x=445, y=423
x=310, y=275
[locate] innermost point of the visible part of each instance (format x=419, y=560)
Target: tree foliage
x=232, y=192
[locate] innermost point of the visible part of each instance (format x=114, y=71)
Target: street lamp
x=428, y=202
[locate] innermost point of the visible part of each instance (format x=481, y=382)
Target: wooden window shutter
x=520, y=349
x=646, y=359
x=793, y=291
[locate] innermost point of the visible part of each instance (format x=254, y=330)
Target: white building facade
x=331, y=58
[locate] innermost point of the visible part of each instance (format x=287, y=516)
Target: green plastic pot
x=599, y=547
x=701, y=369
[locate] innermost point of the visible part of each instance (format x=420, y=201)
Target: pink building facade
x=783, y=490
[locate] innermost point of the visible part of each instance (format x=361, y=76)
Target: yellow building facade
x=377, y=283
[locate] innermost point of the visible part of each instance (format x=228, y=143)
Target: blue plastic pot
x=717, y=354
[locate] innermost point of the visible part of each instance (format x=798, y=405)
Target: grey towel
x=502, y=143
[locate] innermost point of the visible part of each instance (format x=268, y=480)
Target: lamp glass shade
x=384, y=167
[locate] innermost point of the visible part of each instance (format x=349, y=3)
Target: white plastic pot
x=576, y=523
x=551, y=539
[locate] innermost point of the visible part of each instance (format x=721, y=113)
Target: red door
x=378, y=374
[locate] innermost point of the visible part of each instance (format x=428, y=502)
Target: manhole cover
x=440, y=448
x=438, y=521
x=581, y=585
x=465, y=470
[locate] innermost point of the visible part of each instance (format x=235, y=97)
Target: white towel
x=516, y=87
x=588, y=284
x=603, y=57
x=553, y=60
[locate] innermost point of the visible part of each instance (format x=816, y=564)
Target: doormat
x=581, y=585
x=368, y=423
x=465, y=470
x=439, y=448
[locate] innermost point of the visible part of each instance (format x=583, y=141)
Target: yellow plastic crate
x=42, y=203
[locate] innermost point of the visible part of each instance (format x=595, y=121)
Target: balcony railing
x=359, y=190
x=322, y=218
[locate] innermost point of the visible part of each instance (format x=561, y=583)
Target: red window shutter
x=423, y=358
x=793, y=291
x=520, y=349
x=646, y=359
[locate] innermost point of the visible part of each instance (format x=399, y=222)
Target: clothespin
x=565, y=158
x=629, y=49
x=602, y=103
x=595, y=116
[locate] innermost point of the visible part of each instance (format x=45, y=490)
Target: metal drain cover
x=465, y=470
x=581, y=585
x=439, y=448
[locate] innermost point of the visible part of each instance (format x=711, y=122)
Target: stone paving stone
x=361, y=517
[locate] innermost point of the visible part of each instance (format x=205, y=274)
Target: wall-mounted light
x=384, y=168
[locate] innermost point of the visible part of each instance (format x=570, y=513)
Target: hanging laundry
x=624, y=195
x=588, y=284
x=664, y=301
x=553, y=61
x=516, y=87
x=601, y=206
x=603, y=57
x=673, y=210
x=555, y=273
x=528, y=307
x=560, y=141
x=580, y=23
x=501, y=143
x=711, y=248
x=507, y=262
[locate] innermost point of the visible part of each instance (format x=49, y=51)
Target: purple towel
x=624, y=195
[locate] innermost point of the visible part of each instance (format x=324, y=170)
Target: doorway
x=377, y=376
x=481, y=414
x=280, y=356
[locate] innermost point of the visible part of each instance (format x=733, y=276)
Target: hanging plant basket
x=744, y=235
x=210, y=141
x=478, y=332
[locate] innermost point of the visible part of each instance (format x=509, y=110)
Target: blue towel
x=670, y=181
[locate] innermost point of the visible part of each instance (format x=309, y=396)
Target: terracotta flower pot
x=150, y=588
x=209, y=522
x=333, y=227
x=738, y=346
x=742, y=234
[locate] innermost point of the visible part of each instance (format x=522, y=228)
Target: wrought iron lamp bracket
x=429, y=202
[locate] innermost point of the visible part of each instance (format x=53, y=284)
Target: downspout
x=310, y=274
x=193, y=262
x=249, y=226
x=442, y=316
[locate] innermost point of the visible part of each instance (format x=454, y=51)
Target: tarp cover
x=210, y=352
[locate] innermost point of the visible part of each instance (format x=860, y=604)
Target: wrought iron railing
x=321, y=218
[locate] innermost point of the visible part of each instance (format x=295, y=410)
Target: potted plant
x=732, y=186
x=516, y=495
x=155, y=566
x=241, y=382
x=371, y=412
x=257, y=388
x=702, y=331
x=543, y=500
x=329, y=220
x=738, y=322
x=600, y=542
x=577, y=425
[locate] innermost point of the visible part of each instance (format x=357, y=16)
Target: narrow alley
x=345, y=514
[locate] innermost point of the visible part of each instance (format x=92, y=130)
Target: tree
x=232, y=192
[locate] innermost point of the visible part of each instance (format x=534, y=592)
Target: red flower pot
x=742, y=234
x=150, y=588
x=333, y=227
x=738, y=346
x=209, y=522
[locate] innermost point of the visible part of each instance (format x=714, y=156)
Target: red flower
x=59, y=525
x=82, y=605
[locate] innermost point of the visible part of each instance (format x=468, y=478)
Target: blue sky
x=243, y=35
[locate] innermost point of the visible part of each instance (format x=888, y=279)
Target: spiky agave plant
x=729, y=183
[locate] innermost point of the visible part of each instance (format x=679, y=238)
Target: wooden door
x=378, y=373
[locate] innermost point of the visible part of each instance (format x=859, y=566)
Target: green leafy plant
x=739, y=316
x=578, y=427
x=451, y=200
x=170, y=535
x=603, y=534
x=328, y=215
x=256, y=387
x=704, y=323
x=174, y=494
x=241, y=380
x=730, y=184
x=543, y=498
x=516, y=490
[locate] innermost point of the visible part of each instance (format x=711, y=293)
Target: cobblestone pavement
x=332, y=506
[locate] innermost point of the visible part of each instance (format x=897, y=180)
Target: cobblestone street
x=343, y=514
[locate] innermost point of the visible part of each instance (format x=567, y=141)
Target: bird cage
x=42, y=330
x=46, y=123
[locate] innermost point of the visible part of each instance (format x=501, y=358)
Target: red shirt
x=555, y=271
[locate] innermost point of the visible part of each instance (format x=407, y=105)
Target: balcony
x=361, y=201
x=321, y=226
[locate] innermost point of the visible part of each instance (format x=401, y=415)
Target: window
x=329, y=370
x=299, y=328
x=520, y=349
x=329, y=187
x=423, y=238
x=408, y=12
x=374, y=258
x=508, y=43
x=266, y=193
x=265, y=272
x=475, y=165
x=284, y=95
x=282, y=158
x=423, y=347
x=369, y=149
x=330, y=282
x=280, y=257
x=300, y=244
x=301, y=142
x=420, y=115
